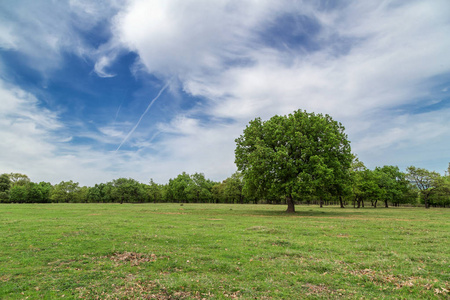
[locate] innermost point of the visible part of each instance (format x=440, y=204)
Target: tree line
x=383, y=186
x=301, y=158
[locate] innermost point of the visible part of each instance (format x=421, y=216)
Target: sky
x=92, y=91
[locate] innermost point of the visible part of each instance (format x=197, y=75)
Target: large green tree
x=295, y=155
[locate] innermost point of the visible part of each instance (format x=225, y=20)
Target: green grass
x=196, y=251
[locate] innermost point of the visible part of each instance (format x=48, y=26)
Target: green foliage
x=427, y=182
x=189, y=188
x=19, y=179
x=234, y=188
x=297, y=155
x=393, y=185
x=127, y=190
x=154, y=191
x=5, y=186
x=441, y=195
x=199, y=188
x=65, y=191
x=30, y=192
x=19, y=194
x=46, y=190
x=177, y=189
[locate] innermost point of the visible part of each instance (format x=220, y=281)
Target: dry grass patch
x=381, y=278
x=314, y=289
x=134, y=258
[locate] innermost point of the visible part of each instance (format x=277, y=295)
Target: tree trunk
x=386, y=203
x=290, y=203
x=375, y=204
x=341, y=202
x=321, y=202
x=362, y=202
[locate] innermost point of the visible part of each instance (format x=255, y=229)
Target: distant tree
x=234, y=188
x=100, y=192
x=356, y=178
x=34, y=193
x=295, y=155
x=441, y=195
x=46, y=189
x=393, y=183
x=127, y=190
x=19, y=194
x=178, y=187
x=218, y=192
x=154, y=192
x=199, y=188
x=167, y=192
x=427, y=182
x=370, y=186
x=82, y=195
x=94, y=194
x=5, y=187
x=65, y=191
x=19, y=179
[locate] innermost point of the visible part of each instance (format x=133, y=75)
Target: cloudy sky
x=96, y=90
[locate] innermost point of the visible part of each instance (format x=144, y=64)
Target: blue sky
x=96, y=90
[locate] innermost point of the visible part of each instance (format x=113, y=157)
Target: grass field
x=208, y=251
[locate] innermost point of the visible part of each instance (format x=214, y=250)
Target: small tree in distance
x=296, y=155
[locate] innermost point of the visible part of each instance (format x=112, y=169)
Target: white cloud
x=393, y=52
x=188, y=37
x=101, y=65
x=43, y=30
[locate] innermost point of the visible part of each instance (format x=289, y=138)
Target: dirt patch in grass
x=141, y=290
x=380, y=278
x=134, y=258
x=314, y=289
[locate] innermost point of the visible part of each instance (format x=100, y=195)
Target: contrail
x=140, y=119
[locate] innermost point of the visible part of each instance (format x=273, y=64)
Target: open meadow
x=218, y=251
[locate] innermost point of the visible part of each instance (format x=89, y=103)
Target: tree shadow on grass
x=305, y=212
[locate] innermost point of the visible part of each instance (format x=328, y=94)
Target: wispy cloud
x=143, y=114
x=101, y=65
